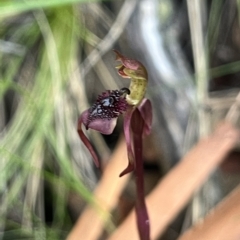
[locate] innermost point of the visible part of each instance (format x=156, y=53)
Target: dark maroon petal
x=145, y=109
x=137, y=124
x=130, y=64
x=121, y=72
x=127, y=133
x=102, y=116
x=102, y=125
x=87, y=142
x=127, y=62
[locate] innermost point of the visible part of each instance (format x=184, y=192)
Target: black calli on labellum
x=110, y=104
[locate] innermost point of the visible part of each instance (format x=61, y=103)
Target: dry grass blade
x=107, y=193
x=112, y=36
x=221, y=224
x=33, y=185
x=233, y=113
x=175, y=190
x=195, y=12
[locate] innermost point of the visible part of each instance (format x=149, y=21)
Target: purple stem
x=141, y=210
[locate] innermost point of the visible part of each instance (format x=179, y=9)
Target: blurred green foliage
x=40, y=46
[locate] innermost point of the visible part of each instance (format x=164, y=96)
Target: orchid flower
x=137, y=110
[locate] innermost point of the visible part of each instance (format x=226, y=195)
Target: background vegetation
x=56, y=58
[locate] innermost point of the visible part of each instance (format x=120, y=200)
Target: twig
x=107, y=43
x=174, y=191
x=195, y=12
x=233, y=113
x=200, y=60
x=90, y=224
x=222, y=223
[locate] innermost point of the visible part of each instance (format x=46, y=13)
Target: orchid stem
x=141, y=210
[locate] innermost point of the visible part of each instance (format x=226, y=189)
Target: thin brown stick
x=233, y=113
x=115, y=31
x=175, y=190
x=221, y=224
x=196, y=21
x=91, y=223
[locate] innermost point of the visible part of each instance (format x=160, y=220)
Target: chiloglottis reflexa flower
x=137, y=111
